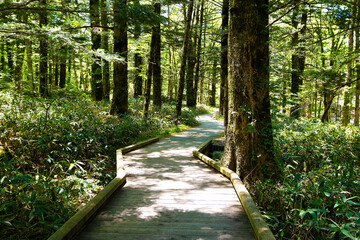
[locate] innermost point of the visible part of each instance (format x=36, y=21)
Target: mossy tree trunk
x=249, y=139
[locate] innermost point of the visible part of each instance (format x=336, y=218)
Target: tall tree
x=96, y=72
x=223, y=106
x=224, y=60
x=184, y=58
x=120, y=102
x=105, y=46
x=249, y=139
x=298, y=57
x=199, y=51
x=346, y=109
x=43, y=88
x=156, y=71
x=138, y=61
x=357, y=68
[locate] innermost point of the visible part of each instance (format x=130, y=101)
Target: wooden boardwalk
x=171, y=195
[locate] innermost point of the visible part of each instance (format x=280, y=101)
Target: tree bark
x=119, y=104
x=199, y=50
x=297, y=59
x=249, y=139
x=157, y=83
x=105, y=46
x=62, y=81
x=138, y=84
x=184, y=58
x=224, y=58
x=30, y=64
x=346, y=109
x=43, y=88
x=96, y=72
x=212, y=92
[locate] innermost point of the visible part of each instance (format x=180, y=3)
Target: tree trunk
x=119, y=104
x=346, y=109
x=10, y=62
x=249, y=139
x=184, y=58
x=190, y=84
x=62, y=81
x=298, y=59
x=157, y=86
x=105, y=46
x=198, y=54
x=357, y=68
x=224, y=59
x=212, y=92
x=30, y=64
x=190, y=101
x=43, y=88
x=148, y=80
x=138, y=84
x=224, y=105
x=96, y=72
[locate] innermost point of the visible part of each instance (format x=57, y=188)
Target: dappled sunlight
x=169, y=193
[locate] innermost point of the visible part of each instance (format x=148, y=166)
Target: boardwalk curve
x=171, y=195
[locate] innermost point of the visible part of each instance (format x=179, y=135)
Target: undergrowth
x=319, y=196
x=57, y=153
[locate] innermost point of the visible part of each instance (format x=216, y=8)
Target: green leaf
x=7, y=223
x=347, y=233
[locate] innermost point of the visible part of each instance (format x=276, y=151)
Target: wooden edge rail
x=261, y=229
x=77, y=222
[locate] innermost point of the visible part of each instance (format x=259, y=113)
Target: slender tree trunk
x=30, y=64
x=170, y=75
x=138, y=85
x=212, y=92
x=184, y=58
x=56, y=71
x=190, y=85
x=74, y=67
x=249, y=139
x=96, y=72
x=43, y=88
x=346, y=109
x=62, y=81
x=10, y=62
x=199, y=50
x=157, y=81
x=105, y=46
x=119, y=104
x=148, y=79
x=2, y=57
x=190, y=102
x=298, y=59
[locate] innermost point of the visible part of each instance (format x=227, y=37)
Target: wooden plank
x=169, y=195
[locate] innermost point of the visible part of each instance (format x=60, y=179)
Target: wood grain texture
x=171, y=195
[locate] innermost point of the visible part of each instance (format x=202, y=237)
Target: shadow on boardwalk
x=171, y=195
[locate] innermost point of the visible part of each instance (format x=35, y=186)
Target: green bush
x=318, y=198
x=56, y=154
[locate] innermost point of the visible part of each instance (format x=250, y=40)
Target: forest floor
x=171, y=194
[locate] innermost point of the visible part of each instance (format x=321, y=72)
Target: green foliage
x=57, y=153
x=318, y=198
